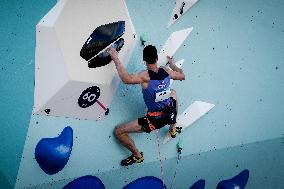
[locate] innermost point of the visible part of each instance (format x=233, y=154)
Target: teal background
x=17, y=31
x=234, y=58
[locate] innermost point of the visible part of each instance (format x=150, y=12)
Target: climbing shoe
x=132, y=159
x=173, y=133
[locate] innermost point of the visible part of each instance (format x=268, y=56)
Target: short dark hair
x=150, y=54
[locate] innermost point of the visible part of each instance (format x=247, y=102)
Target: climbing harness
x=179, y=149
x=155, y=113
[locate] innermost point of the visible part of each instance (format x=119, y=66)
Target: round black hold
x=89, y=96
x=178, y=129
x=176, y=16
x=143, y=43
x=107, y=111
x=47, y=111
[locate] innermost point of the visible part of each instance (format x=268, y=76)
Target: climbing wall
x=233, y=58
x=69, y=79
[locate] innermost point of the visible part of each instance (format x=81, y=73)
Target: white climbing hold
x=172, y=44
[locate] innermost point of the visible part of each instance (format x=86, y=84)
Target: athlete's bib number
x=163, y=95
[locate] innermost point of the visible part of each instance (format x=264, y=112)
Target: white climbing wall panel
x=61, y=74
x=195, y=111
x=179, y=65
x=181, y=7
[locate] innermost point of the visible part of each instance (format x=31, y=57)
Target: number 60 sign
x=89, y=97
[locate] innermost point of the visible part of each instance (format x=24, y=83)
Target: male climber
x=160, y=100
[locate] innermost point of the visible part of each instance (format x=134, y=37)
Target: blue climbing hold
x=52, y=154
x=85, y=182
x=238, y=181
x=148, y=182
x=200, y=184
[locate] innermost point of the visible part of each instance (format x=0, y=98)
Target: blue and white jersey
x=157, y=94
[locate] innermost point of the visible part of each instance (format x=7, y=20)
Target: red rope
x=160, y=158
x=159, y=153
x=178, y=159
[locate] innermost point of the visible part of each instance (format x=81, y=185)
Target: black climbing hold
x=104, y=58
x=107, y=111
x=47, y=111
x=178, y=129
x=181, y=8
x=176, y=16
x=143, y=43
x=101, y=37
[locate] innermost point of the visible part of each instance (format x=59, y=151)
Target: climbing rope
x=179, y=147
x=160, y=158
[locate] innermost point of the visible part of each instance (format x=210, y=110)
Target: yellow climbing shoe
x=132, y=159
x=173, y=132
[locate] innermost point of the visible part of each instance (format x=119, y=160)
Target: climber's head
x=150, y=55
